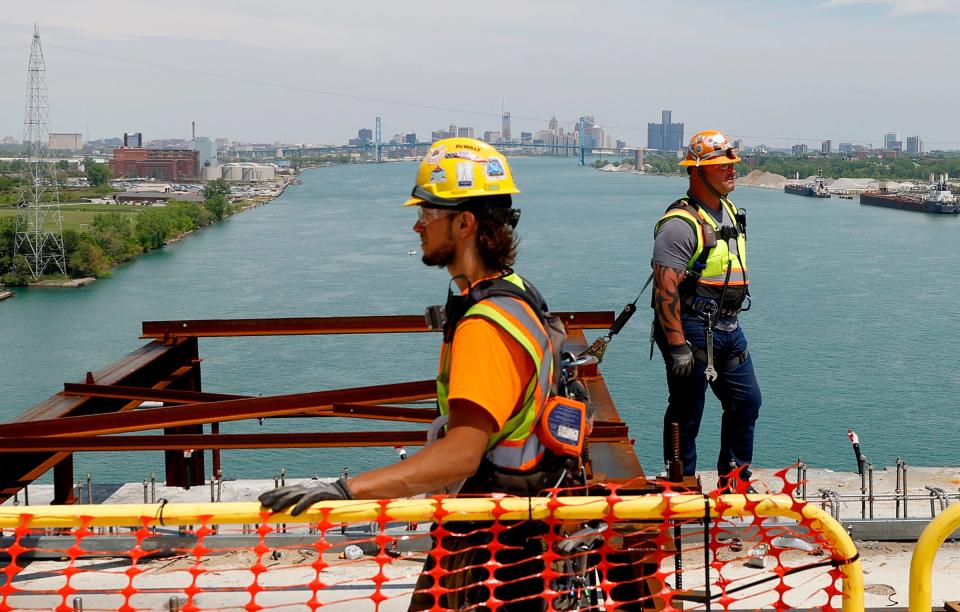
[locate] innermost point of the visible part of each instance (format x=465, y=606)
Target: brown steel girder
x=75, y=419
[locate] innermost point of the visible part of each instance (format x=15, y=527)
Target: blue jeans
x=736, y=387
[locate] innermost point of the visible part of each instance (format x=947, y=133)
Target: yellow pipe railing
x=921, y=564
x=627, y=508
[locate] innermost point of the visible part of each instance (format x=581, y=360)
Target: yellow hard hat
x=455, y=169
x=710, y=148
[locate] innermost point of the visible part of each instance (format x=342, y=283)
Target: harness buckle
x=705, y=307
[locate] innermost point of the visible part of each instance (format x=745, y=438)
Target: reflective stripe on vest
x=516, y=446
x=720, y=257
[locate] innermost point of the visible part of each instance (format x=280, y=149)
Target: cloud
x=904, y=7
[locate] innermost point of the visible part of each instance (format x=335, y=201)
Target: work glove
x=681, y=359
x=304, y=496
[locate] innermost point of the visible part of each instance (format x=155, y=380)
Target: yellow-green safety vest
x=721, y=257
x=516, y=446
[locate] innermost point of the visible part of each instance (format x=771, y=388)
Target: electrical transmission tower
x=39, y=237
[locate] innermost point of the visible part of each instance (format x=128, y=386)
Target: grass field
x=79, y=217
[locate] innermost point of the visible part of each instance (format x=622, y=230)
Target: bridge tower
x=377, y=154
x=580, y=138
x=39, y=237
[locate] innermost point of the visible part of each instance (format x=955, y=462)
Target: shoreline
x=244, y=205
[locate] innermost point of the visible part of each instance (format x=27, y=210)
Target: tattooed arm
x=666, y=302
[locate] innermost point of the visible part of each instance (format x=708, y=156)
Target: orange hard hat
x=710, y=148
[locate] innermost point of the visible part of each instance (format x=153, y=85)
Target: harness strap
x=732, y=362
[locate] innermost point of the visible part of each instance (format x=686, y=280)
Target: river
x=851, y=325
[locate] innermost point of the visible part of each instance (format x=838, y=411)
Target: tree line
x=112, y=238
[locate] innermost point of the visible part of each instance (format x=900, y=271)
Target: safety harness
x=705, y=308
x=541, y=445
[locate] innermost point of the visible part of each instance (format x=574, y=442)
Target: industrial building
x=65, y=142
x=207, y=150
x=163, y=164
x=248, y=172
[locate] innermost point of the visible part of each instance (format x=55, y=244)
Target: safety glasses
x=425, y=215
x=729, y=152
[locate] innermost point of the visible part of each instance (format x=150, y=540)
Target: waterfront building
x=620, y=144
x=132, y=140
x=364, y=136
x=163, y=164
x=489, y=136
x=465, y=132
x=410, y=139
x=207, y=150
x=65, y=142
x=436, y=135
x=826, y=147
x=914, y=145
x=666, y=135
x=526, y=137
x=505, y=126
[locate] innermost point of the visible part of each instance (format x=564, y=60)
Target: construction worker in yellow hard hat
x=494, y=377
x=700, y=287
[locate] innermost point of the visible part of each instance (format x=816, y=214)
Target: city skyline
x=131, y=66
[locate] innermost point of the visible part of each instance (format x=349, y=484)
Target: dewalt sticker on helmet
x=495, y=169
x=464, y=174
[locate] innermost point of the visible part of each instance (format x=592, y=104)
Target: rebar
x=899, y=483
x=870, y=487
x=153, y=487
x=89, y=489
x=144, y=490
x=903, y=467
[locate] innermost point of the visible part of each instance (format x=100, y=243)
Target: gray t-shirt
x=675, y=244
x=676, y=241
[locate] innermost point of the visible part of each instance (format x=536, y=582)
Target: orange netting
x=602, y=563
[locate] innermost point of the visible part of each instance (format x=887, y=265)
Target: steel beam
x=154, y=365
x=169, y=396
x=213, y=412
x=178, y=442
x=209, y=328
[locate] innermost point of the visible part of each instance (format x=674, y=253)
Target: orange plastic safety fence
x=601, y=564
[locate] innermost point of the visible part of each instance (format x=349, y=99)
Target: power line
x=420, y=105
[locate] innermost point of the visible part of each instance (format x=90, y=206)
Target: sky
x=773, y=72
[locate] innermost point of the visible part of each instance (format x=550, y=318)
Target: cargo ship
x=938, y=199
x=814, y=189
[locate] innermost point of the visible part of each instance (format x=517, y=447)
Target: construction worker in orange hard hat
x=494, y=379
x=700, y=287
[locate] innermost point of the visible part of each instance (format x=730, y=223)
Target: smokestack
x=193, y=130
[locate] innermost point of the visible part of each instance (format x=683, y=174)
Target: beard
x=441, y=258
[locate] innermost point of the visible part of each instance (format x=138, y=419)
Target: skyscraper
x=914, y=145
x=505, y=126
x=666, y=135
x=892, y=142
